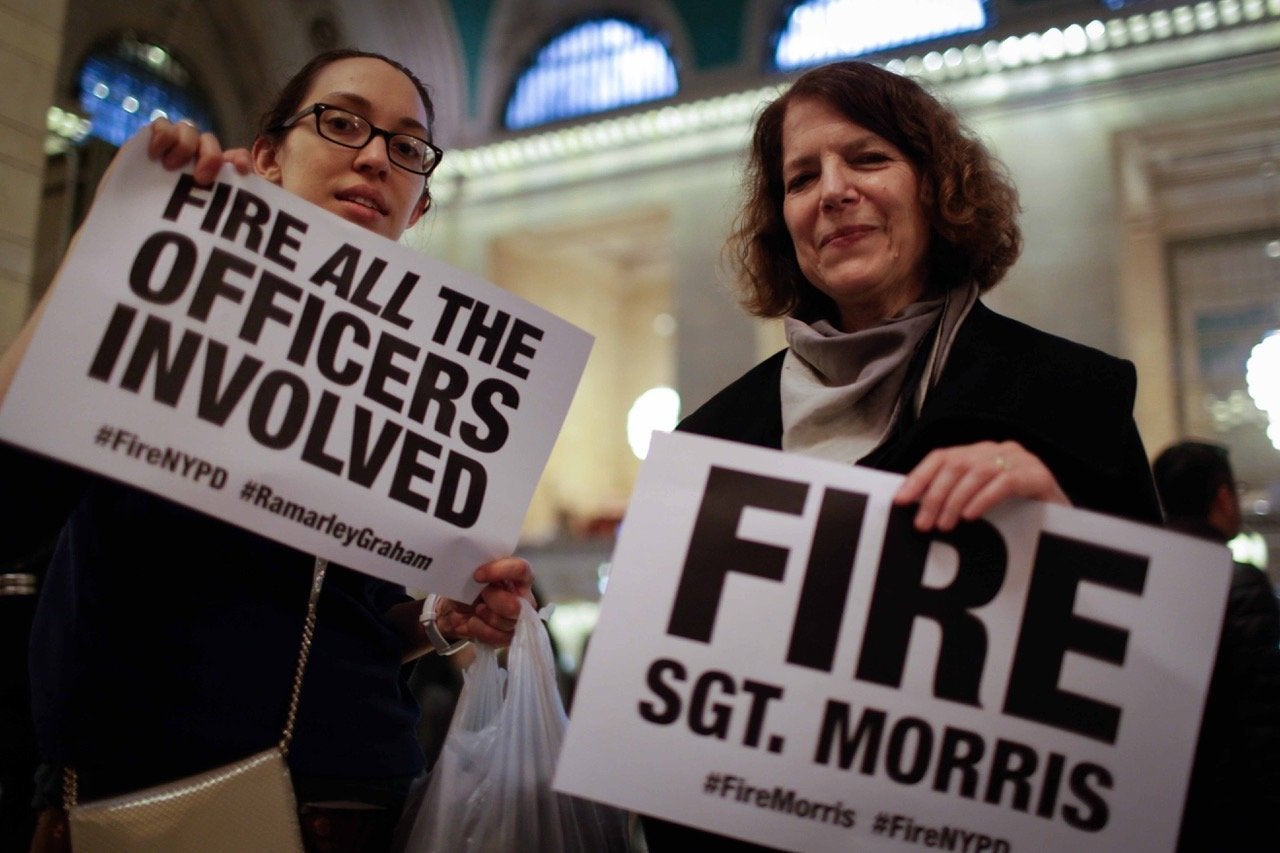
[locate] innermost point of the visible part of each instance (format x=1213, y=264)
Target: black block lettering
x=715, y=549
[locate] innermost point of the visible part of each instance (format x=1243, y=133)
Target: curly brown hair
x=968, y=200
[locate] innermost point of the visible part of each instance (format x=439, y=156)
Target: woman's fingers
x=174, y=144
x=178, y=144
x=506, y=580
x=465, y=622
x=967, y=481
x=492, y=617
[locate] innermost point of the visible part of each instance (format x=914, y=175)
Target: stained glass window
x=592, y=67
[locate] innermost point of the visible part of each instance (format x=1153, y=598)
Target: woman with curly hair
x=873, y=223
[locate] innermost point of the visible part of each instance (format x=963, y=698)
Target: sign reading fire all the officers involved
x=239, y=350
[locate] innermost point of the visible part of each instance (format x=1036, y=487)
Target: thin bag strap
x=70, y=782
x=308, y=631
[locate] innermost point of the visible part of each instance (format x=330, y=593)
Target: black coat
x=1070, y=405
x=1233, y=798
x=165, y=642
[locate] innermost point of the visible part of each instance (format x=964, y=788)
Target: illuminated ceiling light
x=1262, y=378
x=101, y=90
x=1076, y=40
x=576, y=141
x=1053, y=44
x=1272, y=249
x=991, y=56
x=1032, y=48
x=656, y=409
x=1230, y=11
x=1096, y=32
x=1139, y=29
x=1117, y=34
x=1184, y=20
x=66, y=124
x=1206, y=16
x=1011, y=52
x=129, y=104
x=1234, y=411
x=1161, y=24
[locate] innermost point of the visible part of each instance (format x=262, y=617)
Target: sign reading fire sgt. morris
x=782, y=658
x=243, y=352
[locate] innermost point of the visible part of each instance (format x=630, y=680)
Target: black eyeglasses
x=351, y=130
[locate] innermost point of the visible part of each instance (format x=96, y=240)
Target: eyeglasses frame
x=317, y=108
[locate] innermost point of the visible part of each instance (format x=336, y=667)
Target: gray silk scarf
x=842, y=391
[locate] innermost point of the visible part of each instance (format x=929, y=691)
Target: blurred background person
x=1233, y=800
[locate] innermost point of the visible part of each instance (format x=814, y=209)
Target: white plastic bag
x=490, y=789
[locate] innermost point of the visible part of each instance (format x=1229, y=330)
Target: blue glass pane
x=594, y=67
x=822, y=30
x=120, y=97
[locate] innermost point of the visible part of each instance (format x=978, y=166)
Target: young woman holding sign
x=164, y=641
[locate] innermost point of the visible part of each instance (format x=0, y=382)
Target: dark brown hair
x=289, y=99
x=1188, y=476
x=967, y=198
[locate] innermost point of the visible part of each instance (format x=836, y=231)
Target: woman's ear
x=265, y=162
x=423, y=205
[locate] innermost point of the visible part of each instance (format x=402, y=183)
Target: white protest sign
x=782, y=658
x=245, y=353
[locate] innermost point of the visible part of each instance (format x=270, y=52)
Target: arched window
x=817, y=31
x=127, y=85
x=595, y=66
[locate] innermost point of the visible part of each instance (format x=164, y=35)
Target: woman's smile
x=845, y=236
x=365, y=199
